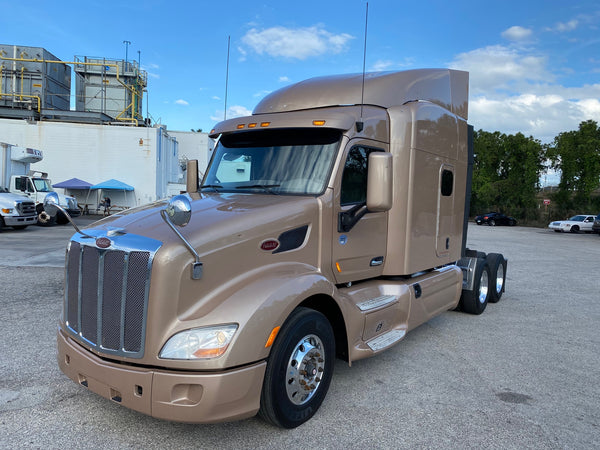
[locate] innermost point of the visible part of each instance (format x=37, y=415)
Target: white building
x=147, y=158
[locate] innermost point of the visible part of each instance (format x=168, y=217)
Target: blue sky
x=534, y=64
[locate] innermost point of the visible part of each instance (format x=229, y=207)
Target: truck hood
x=10, y=197
x=219, y=220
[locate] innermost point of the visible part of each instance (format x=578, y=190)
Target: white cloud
x=181, y=102
x=516, y=33
x=232, y=112
x=216, y=97
x=284, y=79
x=299, y=43
x=565, y=27
x=502, y=68
x=513, y=91
x=387, y=64
x=261, y=94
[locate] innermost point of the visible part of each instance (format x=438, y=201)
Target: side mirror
x=380, y=182
x=179, y=210
x=51, y=204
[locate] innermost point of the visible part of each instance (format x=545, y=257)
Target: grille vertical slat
x=89, y=293
x=112, y=299
x=134, y=305
x=107, y=294
x=72, y=304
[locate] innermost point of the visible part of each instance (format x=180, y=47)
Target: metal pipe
x=116, y=66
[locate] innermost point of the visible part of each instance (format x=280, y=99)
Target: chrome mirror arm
x=197, y=265
x=51, y=205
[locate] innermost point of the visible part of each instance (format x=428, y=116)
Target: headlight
x=199, y=343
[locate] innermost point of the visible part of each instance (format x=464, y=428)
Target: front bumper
x=197, y=397
x=15, y=221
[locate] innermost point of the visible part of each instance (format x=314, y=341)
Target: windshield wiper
x=212, y=186
x=264, y=187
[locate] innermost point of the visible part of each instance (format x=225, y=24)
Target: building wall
x=143, y=157
x=194, y=145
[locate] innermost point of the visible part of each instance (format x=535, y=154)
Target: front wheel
x=574, y=229
x=299, y=369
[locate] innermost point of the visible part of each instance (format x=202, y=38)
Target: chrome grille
x=106, y=296
x=26, y=208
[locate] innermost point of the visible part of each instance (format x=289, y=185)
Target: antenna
x=360, y=124
x=227, y=76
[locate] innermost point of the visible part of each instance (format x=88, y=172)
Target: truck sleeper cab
x=323, y=228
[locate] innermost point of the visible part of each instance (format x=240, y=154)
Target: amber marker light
x=272, y=337
x=318, y=123
x=252, y=125
x=240, y=126
x=338, y=267
x=265, y=124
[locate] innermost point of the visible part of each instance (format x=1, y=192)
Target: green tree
x=576, y=154
x=506, y=172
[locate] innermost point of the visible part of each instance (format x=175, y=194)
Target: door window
x=354, y=178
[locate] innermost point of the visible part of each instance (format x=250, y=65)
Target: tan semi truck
x=330, y=222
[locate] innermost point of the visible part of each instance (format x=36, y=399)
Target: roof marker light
x=318, y=123
x=252, y=125
x=240, y=126
x=265, y=124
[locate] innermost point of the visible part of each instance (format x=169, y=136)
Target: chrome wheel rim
x=499, y=278
x=305, y=369
x=483, y=287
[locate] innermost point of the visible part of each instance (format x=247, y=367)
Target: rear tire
x=299, y=369
x=475, y=301
x=497, y=265
x=492, y=223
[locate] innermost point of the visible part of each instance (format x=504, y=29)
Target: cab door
x=358, y=253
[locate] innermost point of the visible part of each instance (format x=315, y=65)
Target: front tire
x=299, y=369
x=574, y=229
x=492, y=223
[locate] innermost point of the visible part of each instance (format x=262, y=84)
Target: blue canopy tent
x=77, y=188
x=73, y=183
x=118, y=189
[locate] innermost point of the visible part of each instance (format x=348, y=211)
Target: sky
x=534, y=64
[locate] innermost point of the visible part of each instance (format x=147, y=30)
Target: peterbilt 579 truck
x=329, y=223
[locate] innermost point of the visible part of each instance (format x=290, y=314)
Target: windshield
x=291, y=161
x=42, y=185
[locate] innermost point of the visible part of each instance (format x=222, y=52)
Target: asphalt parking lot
x=522, y=375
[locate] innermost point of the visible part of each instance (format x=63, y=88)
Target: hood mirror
x=179, y=210
x=51, y=204
x=52, y=207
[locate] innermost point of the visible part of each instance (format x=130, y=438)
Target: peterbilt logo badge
x=269, y=245
x=103, y=242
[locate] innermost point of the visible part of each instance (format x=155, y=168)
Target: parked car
x=580, y=222
x=494, y=218
x=596, y=225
